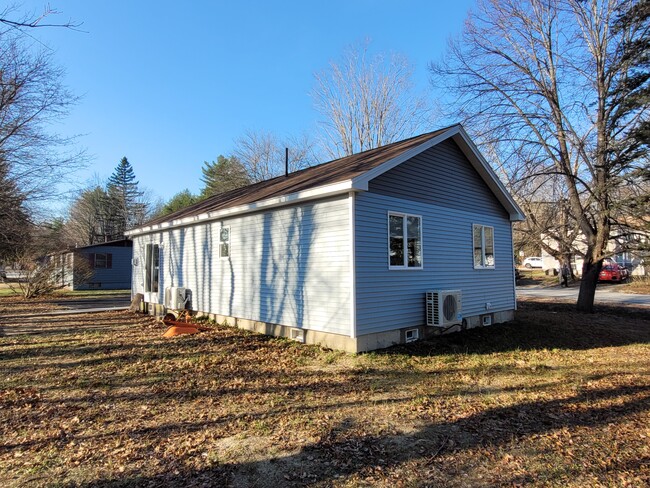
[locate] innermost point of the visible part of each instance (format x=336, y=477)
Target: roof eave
x=480, y=164
x=280, y=201
x=486, y=172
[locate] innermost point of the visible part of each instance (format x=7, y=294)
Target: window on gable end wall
x=404, y=241
x=224, y=242
x=483, y=237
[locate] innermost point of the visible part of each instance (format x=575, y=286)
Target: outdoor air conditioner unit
x=444, y=308
x=176, y=297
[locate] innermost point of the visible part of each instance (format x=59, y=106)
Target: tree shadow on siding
x=283, y=268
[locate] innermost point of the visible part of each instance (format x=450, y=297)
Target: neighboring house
x=637, y=261
x=344, y=253
x=104, y=266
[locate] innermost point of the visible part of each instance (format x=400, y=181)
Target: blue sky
x=173, y=84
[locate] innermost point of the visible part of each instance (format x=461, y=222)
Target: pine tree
x=179, y=201
x=223, y=175
x=633, y=88
x=14, y=217
x=124, y=201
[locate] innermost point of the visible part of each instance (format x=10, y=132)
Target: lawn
x=553, y=399
x=12, y=289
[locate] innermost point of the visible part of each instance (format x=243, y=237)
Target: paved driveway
x=108, y=302
x=606, y=295
x=98, y=312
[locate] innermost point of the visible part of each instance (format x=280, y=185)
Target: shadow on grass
x=343, y=451
x=539, y=325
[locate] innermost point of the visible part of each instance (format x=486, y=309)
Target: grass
x=64, y=292
x=638, y=284
x=6, y=291
x=553, y=399
x=536, y=276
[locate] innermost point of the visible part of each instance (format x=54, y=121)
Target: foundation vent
x=297, y=335
x=411, y=335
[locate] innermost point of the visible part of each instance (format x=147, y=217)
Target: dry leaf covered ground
x=553, y=399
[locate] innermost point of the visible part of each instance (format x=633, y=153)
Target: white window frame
x=483, y=254
x=405, y=265
x=152, y=269
x=221, y=242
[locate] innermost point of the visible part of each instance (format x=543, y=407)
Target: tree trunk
x=590, y=272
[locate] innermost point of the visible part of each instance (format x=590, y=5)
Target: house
x=105, y=266
x=629, y=254
x=344, y=254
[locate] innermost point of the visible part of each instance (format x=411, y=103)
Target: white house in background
x=638, y=262
x=375, y=249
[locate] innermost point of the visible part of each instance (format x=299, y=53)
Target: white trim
x=470, y=151
x=514, y=265
x=494, y=257
x=221, y=242
x=353, y=273
x=488, y=175
x=361, y=181
x=301, y=196
x=151, y=296
x=405, y=267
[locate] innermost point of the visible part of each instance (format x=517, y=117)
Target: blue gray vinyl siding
x=288, y=266
x=441, y=186
x=118, y=277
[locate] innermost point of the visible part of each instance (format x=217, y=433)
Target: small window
x=483, y=237
x=224, y=242
x=404, y=241
x=100, y=260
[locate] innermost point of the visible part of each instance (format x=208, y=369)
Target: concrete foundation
x=364, y=343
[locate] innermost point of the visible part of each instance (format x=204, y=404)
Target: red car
x=610, y=272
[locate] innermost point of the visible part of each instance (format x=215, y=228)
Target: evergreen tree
x=630, y=93
x=223, y=175
x=14, y=217
x=179, y=201
x=125, y=205
x=629, y=98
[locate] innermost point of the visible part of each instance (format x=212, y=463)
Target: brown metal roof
x=336, y=171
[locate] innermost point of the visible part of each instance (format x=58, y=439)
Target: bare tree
x=33, y=21
x=368, y=101
x=41, y=275
x=543, y=81
x=33, y=99
x=263, y=154
x=87, y=219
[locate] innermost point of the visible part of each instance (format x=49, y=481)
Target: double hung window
x=483, y=237
x=404, y=241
